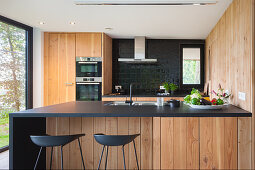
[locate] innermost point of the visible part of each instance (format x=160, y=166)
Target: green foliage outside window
x=12, y=75
x=191, y=72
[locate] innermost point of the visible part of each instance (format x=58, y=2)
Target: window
x=192, y=57
x=15, y=72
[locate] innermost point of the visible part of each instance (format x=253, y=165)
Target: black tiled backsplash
x=149, y=76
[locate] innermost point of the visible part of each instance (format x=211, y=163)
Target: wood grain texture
x=167, y=143
x=112, y=129
x=107, y=64
x=156, y=142
x=75, y=156
x=123, y=127
x=192, y=143
x=88, y=142
x=146, y=143
x=134, y=127
x=230, y=55
x=88, y=44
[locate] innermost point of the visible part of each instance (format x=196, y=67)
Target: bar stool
x=53, y=141
x=115, y=140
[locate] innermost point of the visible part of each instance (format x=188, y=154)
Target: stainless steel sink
x=137, y=103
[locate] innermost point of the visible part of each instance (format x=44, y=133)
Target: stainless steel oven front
x=88, y=88
x=88, y=67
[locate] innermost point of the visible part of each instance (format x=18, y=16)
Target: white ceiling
x=176, y=22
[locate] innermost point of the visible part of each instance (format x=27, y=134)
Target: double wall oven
x=88, y=78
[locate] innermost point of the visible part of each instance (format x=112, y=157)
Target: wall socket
x=161, y=87
x=241, y=96
x=118, y=87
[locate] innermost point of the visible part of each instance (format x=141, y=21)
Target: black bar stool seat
x=115, y=140
x=54, y=141
x=49, y=141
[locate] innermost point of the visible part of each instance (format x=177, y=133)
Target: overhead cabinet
x=89, y=44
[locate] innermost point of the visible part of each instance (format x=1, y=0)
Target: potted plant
x=167, y=87
x=173, y=88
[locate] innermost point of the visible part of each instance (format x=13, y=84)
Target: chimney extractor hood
x=139, y=53
x=145, y=2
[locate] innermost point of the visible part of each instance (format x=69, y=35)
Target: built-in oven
x=88, y=88
x=88, y=67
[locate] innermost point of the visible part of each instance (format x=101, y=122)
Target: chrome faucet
x=130, y=93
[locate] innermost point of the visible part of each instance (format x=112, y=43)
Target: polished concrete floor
x=4, y=160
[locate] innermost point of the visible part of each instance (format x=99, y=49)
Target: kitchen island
x=171, y=138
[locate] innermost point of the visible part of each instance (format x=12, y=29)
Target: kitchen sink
x=136, y=103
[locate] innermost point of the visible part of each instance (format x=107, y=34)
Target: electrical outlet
x=241, y=96
x=118, y=87
x=161, y=87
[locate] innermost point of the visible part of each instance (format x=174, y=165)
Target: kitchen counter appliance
x=88, y=78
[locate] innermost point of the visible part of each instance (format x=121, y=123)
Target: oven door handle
x=86, y=62
x=87, y=83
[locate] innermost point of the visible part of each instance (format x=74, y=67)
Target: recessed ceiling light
x=72, y=23
x=41, y=23
x=108, y=28
x=196, y=4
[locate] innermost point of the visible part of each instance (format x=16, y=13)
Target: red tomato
x=214, y=101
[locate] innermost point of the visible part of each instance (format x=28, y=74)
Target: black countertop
x=99, y=109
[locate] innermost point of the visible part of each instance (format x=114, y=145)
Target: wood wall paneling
x=230, y=62
x=107, y=64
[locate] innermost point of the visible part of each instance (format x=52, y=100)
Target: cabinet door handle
x=69, y=84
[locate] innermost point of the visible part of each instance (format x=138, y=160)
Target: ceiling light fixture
x=145, y=2
x=41, y=23
x=72, y=23
x=197, y=4
x=108, y=28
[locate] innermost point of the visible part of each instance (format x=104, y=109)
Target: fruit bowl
x=208, y=107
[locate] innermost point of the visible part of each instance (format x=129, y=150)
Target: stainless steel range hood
x=139, y=53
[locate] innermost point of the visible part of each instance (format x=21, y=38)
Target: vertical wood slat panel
x=206, y=140
x=218, y=143
x=167, y=143
x=63, y=124
x=45, y=69
x=112, y=129
x=75, y=158
x=123, y=126
x=230, y=150
x=192, y=143
x=235, y=67
x=88, y=141
x=156, y=142
x=146, y=143
x=180, y=142
x=134, y=127
x=51, y=129
x=99, y=127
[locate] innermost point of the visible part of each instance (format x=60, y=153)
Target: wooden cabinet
x=59, y=68
x=164, y=143
x=89, y=44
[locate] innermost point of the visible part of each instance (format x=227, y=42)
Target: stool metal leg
x=136, y=155
x=123, y=157
x=38, y=158
x=106, y=157
x=101, y=158
x=51, y=157
x=62, y=157
x=81, y=154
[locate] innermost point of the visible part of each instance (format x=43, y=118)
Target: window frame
x=29, y=58
x=202, y=56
